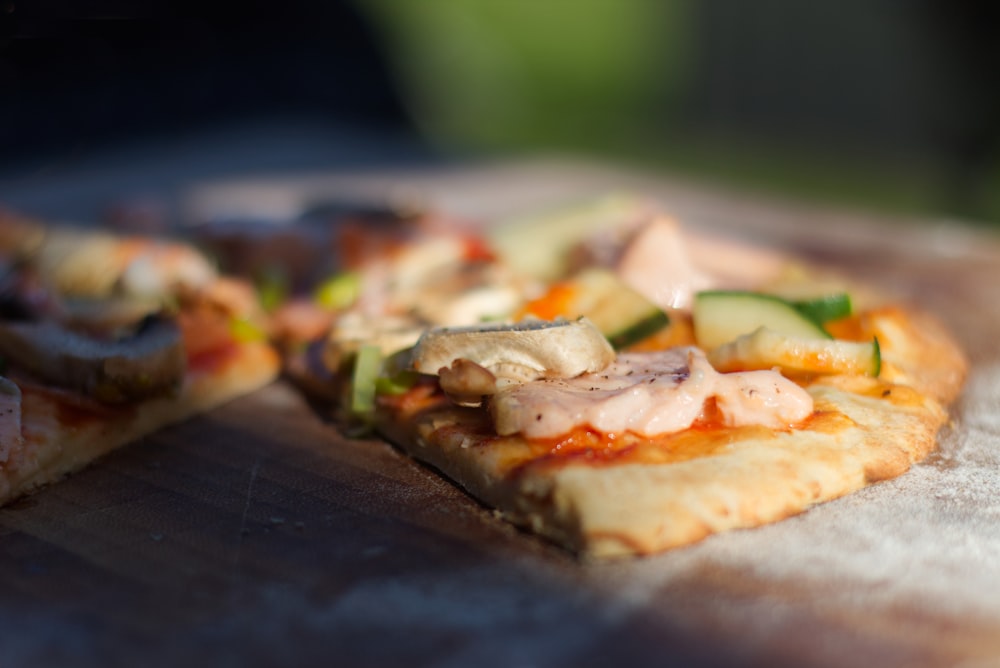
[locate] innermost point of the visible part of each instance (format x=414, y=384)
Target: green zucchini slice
x=720, y=316
x=623, y=315
x=826, y=308
x=768, y=349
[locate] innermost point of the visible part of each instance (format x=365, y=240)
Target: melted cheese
x=649, y=394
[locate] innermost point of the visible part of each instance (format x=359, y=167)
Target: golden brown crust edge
x=57, y=451
x=918, y=351
x=641, y=508
x=757, y=481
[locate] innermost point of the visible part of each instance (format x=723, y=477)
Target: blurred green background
x=883, y=105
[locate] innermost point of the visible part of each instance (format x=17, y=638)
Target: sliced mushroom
x=467, y=383
x=148, y=363
x=517, y=353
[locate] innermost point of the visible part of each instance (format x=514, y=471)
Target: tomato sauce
x=707, y=436
x=72, y=410
x=212, y=359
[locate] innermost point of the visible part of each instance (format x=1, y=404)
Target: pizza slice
x=105, y=339
x=641, y=387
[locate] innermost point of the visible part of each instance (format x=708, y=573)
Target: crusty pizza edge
x=59, y=442
x=599, y=511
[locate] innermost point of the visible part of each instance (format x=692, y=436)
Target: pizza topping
x=767, y=349
x=148, y=363
x=89, y=264
x=109, y=317
x=827, y=307
x=649, y=394
x=466, y=383
x=721, y=316
x=338, y=291
x=156, y=269
x=656, y=263
x=298, y=322
x=433, y=268
x=517, y=353
x=622, y=314
x=367, y=365
x=215, y=318
x=354, y=330
x=466, y=307
x=547, y=245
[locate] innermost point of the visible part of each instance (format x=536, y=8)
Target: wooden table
x=257, y=535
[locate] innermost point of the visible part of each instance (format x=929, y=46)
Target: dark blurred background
x=79, y=75
x=885, y=105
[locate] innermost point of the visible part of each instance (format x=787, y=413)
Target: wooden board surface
x=257, y=535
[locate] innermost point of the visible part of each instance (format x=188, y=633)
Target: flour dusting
x=928, y=540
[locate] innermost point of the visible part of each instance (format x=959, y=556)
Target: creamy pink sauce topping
x=649, y=394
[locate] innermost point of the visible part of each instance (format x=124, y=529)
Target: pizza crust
x=667, y=493
x=640, y=509
x=602, y=509
x=64, y=433
x=917, y=351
